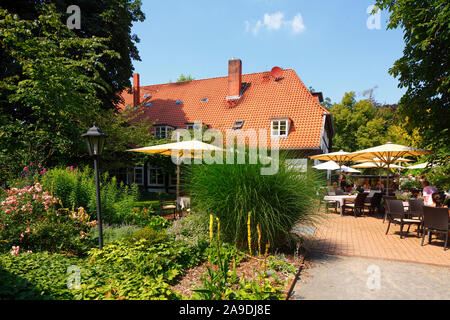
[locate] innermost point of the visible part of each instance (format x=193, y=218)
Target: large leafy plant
x=77, y=188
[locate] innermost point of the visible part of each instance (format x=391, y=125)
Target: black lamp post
x=95, y=140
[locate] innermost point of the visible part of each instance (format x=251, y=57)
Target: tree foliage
x=53, y=95
x=424, y=68
x=183, y=78
x=111, y=20
x=364, y=124
x=49, y=93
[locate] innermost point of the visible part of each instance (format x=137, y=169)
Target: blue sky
x=327, y=42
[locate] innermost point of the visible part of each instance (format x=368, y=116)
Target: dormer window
x=162, y=131
x=178, y=102
x=194, y=125
x=280, y=128
x=204, y=100
x=238, y=124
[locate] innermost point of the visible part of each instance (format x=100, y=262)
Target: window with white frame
x=280, y=128
x=155, y=177
x=162, y=132
x=139, y=175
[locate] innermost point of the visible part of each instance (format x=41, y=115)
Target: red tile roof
x=262, y=101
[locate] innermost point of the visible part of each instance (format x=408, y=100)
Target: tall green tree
x=53, y=95
x=111, y=20
x=183, y=78
x=424, y=68
x=349, y=116
x=365, y=123
x=49, y=93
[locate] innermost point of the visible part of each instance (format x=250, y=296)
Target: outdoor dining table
x=340, y=200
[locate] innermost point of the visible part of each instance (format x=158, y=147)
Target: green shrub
x=77, y=188
x=31, y=219
x=150, y=234
x=276, y=202
x=114, y=233
x=158, y=222
x=165, y=260
x=43, y=276
x=35, y=276
x=191, y=229
x=439, y=176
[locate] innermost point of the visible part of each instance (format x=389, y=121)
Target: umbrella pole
x=178, y=187
x=387, y=182
x=380, y=177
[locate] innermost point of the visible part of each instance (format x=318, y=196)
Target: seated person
x=343, y=181
x=367, y=185
x=427, y=193
x=349, y=188
x=379, y=186
x=438, y=199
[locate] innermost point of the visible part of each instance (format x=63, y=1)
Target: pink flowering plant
x=30, y=173
x=439, y=176
x=32, y=219
x=410, y=182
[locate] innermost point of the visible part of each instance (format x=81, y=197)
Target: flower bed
x=31, y=219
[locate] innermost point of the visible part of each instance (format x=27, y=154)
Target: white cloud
x=257, y=26
x=297, y=24
x=247, y=26
x=276, y=21
x=273, y=21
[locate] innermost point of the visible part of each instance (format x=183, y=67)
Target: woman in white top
x=427, y=193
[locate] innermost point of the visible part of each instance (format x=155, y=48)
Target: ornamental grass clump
x=275, y=202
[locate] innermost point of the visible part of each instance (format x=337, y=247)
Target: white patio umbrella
x=340, y=157
x=329, y=165
x=422, y=166
x=183, y=149
x=374, y=164
x=388, y=153
x=364, y=165
x=349, y=169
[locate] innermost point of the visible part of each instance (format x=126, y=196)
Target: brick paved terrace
x=365, y=236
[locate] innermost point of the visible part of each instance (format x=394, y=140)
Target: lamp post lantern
x=95, y=141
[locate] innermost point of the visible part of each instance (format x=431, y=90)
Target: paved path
x=354, y=278
x=366, y=237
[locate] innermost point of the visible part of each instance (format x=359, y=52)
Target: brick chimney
x=234, y=78
x=318, y=96
x=136, y=90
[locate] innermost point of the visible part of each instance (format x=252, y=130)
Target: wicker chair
x=167, y=207
x=435, y=220
x=358, y=205
x=396, y=215
x=385, y=199
x=374, y=203
x=416, y=208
